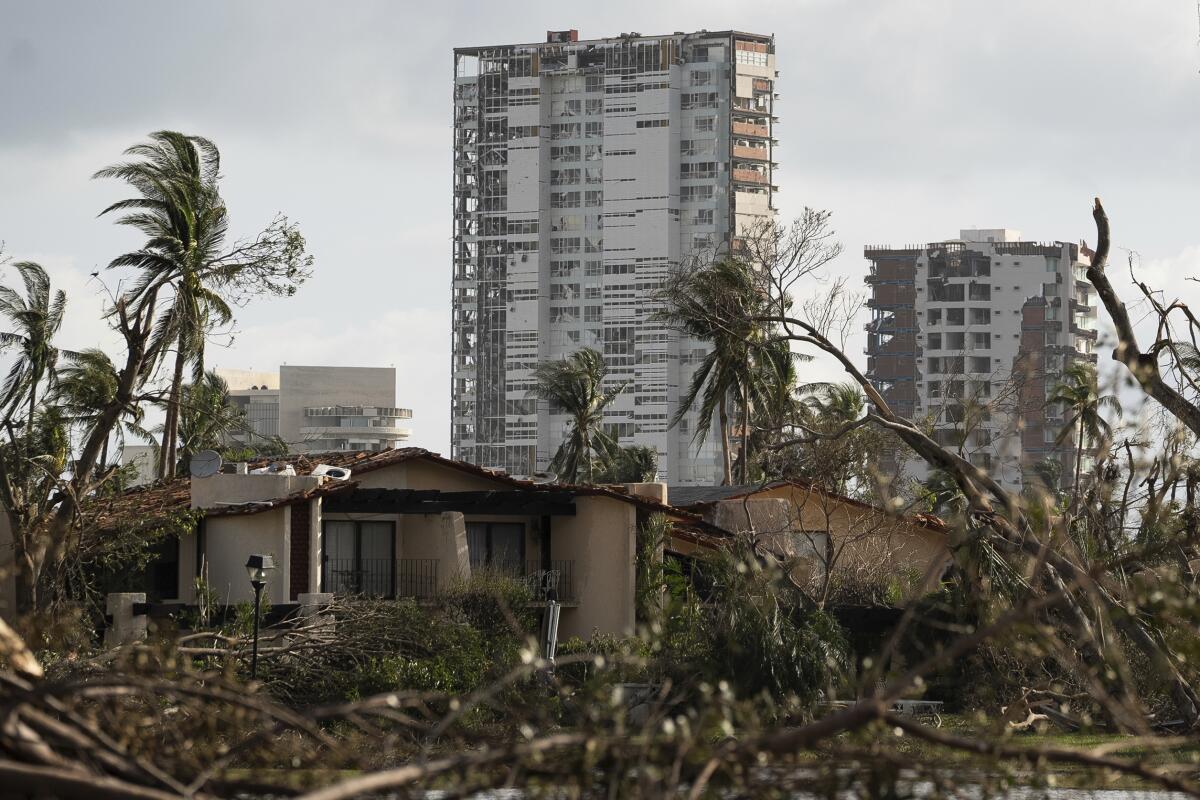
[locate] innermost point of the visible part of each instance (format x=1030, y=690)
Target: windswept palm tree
x=87, y=383
x=207, y=417
x=180, y=211
x=575, y=386
x=1079, y=394
x=720, y=304
x=33, y=321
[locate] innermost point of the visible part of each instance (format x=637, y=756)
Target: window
x=358, y=558
x=705, y=124
x=570, y=153
x=981, y=341
x=699, y=147
x=981, y=316
x=561, y=177
x=935, y=341
x=703, y=216
x=698, y=100
x=694, y=194
x=981, y=364
x=935, y=316
x=565, y=130
x=593, y=198
x=593, y=130
x=653, y=123
x=752, y=58
x=499, y=545
x=956, y=340
x=698, y=170
x=955, y=316
x=701, y=77
x=566, y=108
x=564, y=199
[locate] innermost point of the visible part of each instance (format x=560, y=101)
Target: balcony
x=752, y=153
x=750, y=176
x=751, y=129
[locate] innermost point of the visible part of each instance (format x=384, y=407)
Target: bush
x=472, y=635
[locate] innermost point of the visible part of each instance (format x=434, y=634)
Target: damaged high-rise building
x=972, y=335
x=584, y=172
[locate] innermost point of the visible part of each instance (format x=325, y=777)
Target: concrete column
x=454, y=561
x=314, y=608
x=126, y=626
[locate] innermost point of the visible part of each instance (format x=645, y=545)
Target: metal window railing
x=417, y=577
x=365, y=576
x=558, y=582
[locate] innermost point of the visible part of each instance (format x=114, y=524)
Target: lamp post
x=259, y=568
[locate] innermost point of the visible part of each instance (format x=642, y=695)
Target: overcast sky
x=908, y=120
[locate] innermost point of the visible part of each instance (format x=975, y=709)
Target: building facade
x=584, y=172
x=315, y=409
x=972, y=335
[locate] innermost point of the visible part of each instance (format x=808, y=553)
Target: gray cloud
x=908, y=119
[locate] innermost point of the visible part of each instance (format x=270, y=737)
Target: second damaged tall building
x=584, y=172
x=972, y=335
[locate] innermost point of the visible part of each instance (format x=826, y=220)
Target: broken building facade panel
x=971, y=335
x=584, y=173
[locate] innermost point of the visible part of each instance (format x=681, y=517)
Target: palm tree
x=207, y=418
x=1078, y=392
x=720, y=304
x=180, y=211
x=34, y=319
x=575, y=385
x=87, y=383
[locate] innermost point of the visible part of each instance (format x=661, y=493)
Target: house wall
x=862, y=534
x=438, y=536
x=602, y=541
x=230, y=541
x=227, y=489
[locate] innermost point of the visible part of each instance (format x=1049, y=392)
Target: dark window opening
x=358, y=558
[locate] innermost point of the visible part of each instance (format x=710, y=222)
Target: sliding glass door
x=358, y=558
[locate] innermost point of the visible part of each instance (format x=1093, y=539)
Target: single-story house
x=409, y=523
x=837, y=536
x=406, y=523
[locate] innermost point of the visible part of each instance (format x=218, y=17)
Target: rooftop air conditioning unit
x=329, y=471
x=277, y=468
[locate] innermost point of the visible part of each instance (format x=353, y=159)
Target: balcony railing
x=416, y=577
x=556, y=583
x=750, y=129
x=749, y=176
x=364, y=576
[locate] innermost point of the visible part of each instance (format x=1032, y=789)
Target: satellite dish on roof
x=205, y=464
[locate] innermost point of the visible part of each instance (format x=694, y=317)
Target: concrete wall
x=233, y=539
x=863, y=536
x=226, y=489
x=602, y=541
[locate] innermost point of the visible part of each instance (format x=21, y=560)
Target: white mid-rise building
x=315, y=409
x=972, y=335
x=584, y=173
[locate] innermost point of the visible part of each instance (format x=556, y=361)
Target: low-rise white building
x=320, y=408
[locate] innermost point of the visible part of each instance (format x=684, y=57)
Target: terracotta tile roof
x=145, y=505
x=688, y=497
